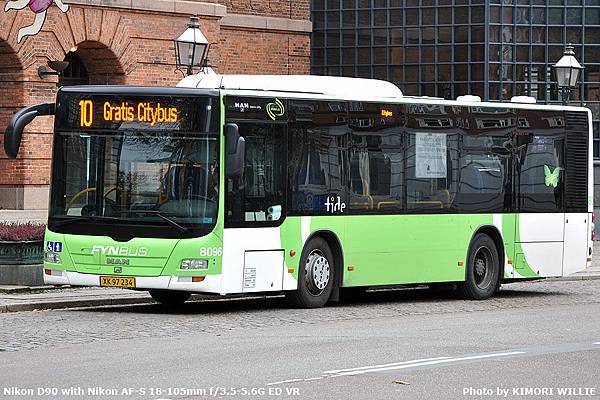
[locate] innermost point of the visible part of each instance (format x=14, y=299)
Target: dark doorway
x=76, y=73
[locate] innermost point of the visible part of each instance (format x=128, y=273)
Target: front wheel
x=169, y=298
x=315, y=276
x=483, y=269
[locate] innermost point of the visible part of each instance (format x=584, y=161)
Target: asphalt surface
x=536, y=340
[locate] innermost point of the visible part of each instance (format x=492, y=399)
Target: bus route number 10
x=86, y=111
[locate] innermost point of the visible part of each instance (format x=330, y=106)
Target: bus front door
x=254, y=206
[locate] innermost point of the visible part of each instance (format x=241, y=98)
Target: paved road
x=536, y=340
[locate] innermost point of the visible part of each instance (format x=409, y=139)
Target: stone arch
x=11, y=99
x=93, y=63
x=11, y=83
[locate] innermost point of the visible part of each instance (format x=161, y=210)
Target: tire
x=316, y=275
x=483, y=269
x=497, y=288
x=169, y=298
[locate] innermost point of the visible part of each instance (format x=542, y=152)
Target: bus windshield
x=135, y=180
x=137, y=177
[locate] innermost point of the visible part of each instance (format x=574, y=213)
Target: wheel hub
x=482, y=268
x=317, y=272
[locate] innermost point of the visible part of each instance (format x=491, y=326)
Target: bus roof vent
x=523, y=99
x=469, y=98
x=348, y=88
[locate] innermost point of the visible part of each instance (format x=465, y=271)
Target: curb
x=17, y=289
x=64, y=304
x=57, y=305
x=109, y=301
x=575, y=278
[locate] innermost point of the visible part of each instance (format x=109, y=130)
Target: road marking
x=398, y=365
x=335, y=371
x=287, y=381
x=424, y=363
x=597, y=343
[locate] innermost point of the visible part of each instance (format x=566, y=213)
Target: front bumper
x=210, y=284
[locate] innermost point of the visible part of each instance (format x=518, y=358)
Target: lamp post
x=191, y=47
x=567, y=71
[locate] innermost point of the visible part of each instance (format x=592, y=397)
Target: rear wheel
x=483, y=269
x=169, y=298
x=315, y=276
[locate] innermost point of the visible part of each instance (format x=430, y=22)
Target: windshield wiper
x=68, y=221
x=160, y=215
x=93, y=218
x=90, y=218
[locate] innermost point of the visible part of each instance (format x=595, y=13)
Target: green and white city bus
x=310, y=185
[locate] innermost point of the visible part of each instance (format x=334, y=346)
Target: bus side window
x=540, y=162
x=376, y=159
x=431, y=153
x=318, y=147
x=484, y=166
x=257, y=198
x=482, y=175
x=430, y=163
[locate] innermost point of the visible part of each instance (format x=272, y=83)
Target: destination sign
x=144, y=112
x=117, y=112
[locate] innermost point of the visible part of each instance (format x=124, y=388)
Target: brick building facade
x=130, y=42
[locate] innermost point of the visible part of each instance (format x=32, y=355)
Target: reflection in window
x=482, y=173
x=540, y=167
x=538, y=15
x=429, y=169
x=259, y=196
x=135, y=175
x=317, y=156
x=376, y=170
x=430, y=158
x=556, y=16
x=522, y=15
x=574, y=16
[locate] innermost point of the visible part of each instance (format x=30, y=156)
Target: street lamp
x=53, y=68
x=191, y=47
x=567, y=73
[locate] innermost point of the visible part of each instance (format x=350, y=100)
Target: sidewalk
x=590, y=273
x=22, y=298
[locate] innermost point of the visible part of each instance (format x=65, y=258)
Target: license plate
x=117, y=281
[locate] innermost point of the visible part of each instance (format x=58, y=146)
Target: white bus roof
x=316, y=86
x=313, y=84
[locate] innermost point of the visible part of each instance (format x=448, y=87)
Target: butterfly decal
x=551, y=177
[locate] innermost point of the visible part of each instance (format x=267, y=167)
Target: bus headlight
x=194, y=264
x=52, y=258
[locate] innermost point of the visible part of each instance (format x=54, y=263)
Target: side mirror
x=14, y=131
x=235, y=149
